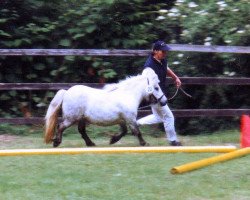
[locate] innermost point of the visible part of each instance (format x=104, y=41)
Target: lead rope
x=176, y=92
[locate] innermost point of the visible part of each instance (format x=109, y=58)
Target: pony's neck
x=139, y=91
x=134, y=87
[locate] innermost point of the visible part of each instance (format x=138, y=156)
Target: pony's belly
x=105, y=119
x=103, y=122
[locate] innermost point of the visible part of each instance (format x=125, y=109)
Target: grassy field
x=123, y=176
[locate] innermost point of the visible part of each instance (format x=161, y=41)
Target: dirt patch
x=8, y=138
x=9, y=141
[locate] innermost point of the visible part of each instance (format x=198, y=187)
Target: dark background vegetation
x=134, y=24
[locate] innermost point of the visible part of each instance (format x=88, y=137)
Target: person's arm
x=174, y=77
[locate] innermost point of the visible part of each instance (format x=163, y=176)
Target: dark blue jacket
x=160, y=69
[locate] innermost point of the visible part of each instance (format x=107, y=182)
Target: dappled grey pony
x=114, y=104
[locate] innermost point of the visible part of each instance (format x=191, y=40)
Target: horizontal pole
x=212, y=49
x=121, y=52
x=203, y=112
x=185, y=81
x=73, y=52
x=177, y=113
x=213, y=80
x=44, y=86
x=23, y=120
x=115, y=150
x=209, y=161
x=210, y=112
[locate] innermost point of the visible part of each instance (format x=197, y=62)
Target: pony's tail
x=52, y=115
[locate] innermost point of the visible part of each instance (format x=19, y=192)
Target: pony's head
x=153, y=90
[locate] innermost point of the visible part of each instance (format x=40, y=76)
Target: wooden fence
x=185, y=81
x=120, y=52
x=123, y=52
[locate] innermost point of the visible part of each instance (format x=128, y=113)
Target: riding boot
x=175, y=143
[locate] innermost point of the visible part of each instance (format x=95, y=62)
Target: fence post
x=245, y=131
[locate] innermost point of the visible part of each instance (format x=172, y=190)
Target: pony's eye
x=156, y=88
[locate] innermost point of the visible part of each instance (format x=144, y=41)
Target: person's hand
x=177, y=82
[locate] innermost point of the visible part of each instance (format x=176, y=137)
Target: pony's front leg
x=136, y=132
x=61, y=127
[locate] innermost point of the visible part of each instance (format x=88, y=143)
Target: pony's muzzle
x=153, y=99
x=162, y=100
x=163, y=104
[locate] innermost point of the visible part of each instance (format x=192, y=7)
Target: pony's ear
x=147, y=72
x=150, y=74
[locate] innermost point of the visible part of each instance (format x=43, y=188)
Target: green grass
x=123, y=176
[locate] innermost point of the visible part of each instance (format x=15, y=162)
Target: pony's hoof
x=56, y=144
x=113, y=140
x=144, y=144
x=91, y=144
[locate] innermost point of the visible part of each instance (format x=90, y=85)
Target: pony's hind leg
x=116, y=138
x=136, y=132
x=61, y=127
x=82, y=131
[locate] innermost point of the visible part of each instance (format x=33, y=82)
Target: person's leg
x=150, y=119
x=165, y=115
x=168, y=120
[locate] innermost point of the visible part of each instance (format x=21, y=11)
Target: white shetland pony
x=114, y=104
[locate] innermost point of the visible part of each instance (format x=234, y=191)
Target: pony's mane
x=128, y=82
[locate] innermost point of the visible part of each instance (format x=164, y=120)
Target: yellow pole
x=113, y=150
x=209, y=161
